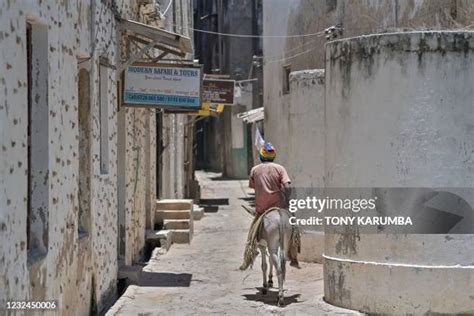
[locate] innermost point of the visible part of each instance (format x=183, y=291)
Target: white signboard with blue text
x=166, y=86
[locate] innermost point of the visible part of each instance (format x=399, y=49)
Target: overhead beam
x=160, y=57
x=158, y=46
x=136, y=56
x=180, y=42
x=140, y=47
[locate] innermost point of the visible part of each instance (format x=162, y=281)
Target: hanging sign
x=218, y=91
x=171, y=86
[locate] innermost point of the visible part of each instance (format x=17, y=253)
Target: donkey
x=274, y=235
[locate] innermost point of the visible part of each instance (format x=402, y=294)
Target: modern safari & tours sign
x=163, y=85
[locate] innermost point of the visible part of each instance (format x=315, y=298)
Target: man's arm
x=286, y=190
x=285, y=186
x=251, y=180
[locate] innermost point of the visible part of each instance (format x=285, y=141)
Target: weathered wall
x=307, y=52
x=356, y=17
x=399, y=114
x=306, y=117
x=69, y=265
x=306, y=136
x=140, y=185
x=73, y=261
x=137, y=160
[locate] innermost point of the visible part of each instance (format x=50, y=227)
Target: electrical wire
x=256, y=36
x=246, y=35
x=296, y=48
x=302, y=45
x=277, y=36
x=270, y=60
x=292, y=56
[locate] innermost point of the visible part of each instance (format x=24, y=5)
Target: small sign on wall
x=218, y=91
x=163, y=86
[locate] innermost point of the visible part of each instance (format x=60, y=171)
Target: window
x=104, y=118
x=84, y=122
x=37, y=139
x=286, y=79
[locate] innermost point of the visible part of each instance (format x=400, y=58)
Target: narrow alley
x=204, y=277
x=139, y=139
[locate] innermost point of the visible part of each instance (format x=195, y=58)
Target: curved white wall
x=400, y=113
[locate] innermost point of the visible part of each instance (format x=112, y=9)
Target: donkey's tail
x=281, y=249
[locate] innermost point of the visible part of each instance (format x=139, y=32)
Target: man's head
x=267, y=152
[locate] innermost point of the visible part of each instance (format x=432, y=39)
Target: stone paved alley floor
x=203, y=278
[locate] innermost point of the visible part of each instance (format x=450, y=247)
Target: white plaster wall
x=282, y=17
x=311, y=16
x=399, y=114
x=74, y=267
x=306, y=117
x=169, y=157
x=104, y=186
x=276, y=104
x=139, y=167
x=151, y=172
x=65, y=271
x=136, y=181
x=305, y=149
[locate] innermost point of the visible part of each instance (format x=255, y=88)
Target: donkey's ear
x=249, y=210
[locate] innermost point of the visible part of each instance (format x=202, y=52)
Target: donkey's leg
x=270, y=275
x=263, y=251
x=275, y=258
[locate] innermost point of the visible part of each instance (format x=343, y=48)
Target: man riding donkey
x=272, y=191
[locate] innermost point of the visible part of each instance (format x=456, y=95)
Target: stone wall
x=399, y=114
x=137, y=172
x=66, y=263
x=92, y=165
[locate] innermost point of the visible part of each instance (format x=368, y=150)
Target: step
x=169, y=204
x=176, y=224
x=198, y=212
x=181, y=236
x=161, y=215
x=164, y=237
